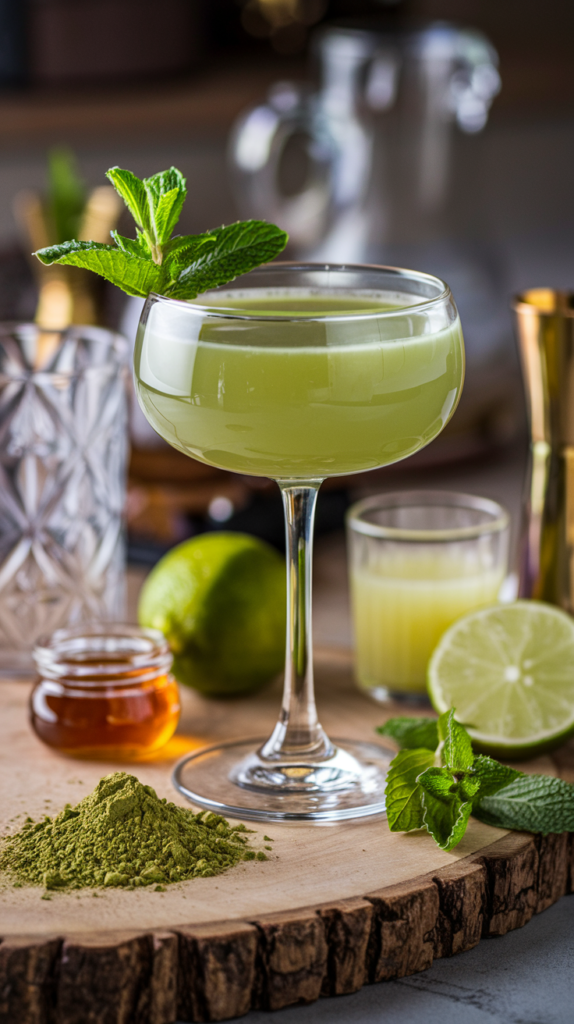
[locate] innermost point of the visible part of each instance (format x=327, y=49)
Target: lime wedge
x=509, y=672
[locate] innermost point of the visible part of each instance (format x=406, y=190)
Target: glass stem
x=298, y=733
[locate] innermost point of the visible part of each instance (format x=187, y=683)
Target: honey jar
x=104, y=691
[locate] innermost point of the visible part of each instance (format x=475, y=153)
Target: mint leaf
x=163, y=183
x=447, y=805
x=166, y=193
x=179, y=257
x=411, y=733
x=133, y=192
x=531, y=803
x=457, y=750
x=492, y=775
x=182, y=250
x=155, y=203
x=166, y=214
x=134, y=246
x=403, y=794
x=234, y=250
x=134, y=275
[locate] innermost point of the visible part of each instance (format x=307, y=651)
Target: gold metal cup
x=545, y=328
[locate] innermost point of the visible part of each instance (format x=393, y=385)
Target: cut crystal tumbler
x=63, y=447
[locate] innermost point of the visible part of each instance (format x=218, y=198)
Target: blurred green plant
x=66, y=195
x=66, y=208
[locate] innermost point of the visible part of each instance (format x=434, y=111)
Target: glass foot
x=232, y=779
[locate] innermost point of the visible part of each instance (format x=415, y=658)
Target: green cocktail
x=298, y=373
x=291, y=397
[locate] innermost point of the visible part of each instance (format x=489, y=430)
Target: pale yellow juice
x=403, y=605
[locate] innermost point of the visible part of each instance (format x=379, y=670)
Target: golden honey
x=104, y=692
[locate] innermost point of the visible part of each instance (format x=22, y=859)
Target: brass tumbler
x=545, y=328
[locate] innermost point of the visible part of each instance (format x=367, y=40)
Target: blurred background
x=432, y=133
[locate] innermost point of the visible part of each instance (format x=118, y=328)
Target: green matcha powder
x=122, y=834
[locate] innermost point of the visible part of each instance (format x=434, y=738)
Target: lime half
x=509, y=672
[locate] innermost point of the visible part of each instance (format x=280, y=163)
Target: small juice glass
x=419, y=560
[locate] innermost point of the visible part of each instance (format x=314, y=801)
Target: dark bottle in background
x=13, y=16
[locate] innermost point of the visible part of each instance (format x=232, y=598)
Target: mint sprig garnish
x=181, y=266
x=439, y=785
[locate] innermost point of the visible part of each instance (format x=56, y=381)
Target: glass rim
x=60, y=653
x=499, y=522
x=401, y=273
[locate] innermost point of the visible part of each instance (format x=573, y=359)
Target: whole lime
x=219, y=599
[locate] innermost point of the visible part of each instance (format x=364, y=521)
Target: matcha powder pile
x=122, y=834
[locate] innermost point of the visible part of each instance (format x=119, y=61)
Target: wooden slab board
x=333, y=908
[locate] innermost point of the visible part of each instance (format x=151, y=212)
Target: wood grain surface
x=334, y=908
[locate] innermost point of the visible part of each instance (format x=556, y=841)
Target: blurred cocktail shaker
x=545, y=328
x=374, y=141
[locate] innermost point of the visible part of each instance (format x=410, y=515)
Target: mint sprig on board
x=436, y=782
x=180, y=266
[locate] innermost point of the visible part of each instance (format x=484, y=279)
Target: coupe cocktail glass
x=299, y=372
